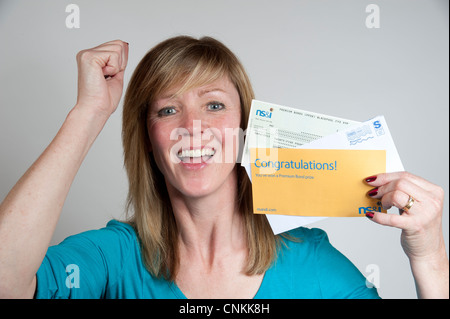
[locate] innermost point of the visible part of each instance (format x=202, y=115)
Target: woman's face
x=194, y=137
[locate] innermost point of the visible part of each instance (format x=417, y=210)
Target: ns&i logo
x=363, y=210
x=267, y=114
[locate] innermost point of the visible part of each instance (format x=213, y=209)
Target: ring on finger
x=409, y=204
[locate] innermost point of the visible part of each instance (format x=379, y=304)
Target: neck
x=209, y=226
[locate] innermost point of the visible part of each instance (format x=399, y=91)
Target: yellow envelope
x=314, y=182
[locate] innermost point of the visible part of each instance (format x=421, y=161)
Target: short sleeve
x=338, y=277
x=84, y=265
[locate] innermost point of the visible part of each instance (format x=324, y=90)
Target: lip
x=193, y=166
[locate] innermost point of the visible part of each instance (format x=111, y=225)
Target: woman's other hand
x=421, y=223
x=100, y=77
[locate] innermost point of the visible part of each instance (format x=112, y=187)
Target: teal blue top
x=107, y=263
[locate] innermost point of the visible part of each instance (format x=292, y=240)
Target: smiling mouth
x=196, y=155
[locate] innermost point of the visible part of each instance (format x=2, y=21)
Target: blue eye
x=167, y=111
x=215, y=106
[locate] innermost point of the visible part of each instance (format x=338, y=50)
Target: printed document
x=314, y=182
x=275, y=126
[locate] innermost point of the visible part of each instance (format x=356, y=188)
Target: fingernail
x=370, y=179
x=369, y=215
x=373, y=192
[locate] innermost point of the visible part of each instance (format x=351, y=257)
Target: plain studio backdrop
x=323, y=56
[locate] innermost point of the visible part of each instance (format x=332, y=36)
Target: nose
x=193, y=124
x=190, y=128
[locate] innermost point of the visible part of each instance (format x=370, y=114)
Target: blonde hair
x=190, y=63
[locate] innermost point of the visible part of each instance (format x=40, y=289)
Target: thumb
x=110, y=62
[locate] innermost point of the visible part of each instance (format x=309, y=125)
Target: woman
x=192, y=232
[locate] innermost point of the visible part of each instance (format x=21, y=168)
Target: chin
x=196, y=189
x=199, y=185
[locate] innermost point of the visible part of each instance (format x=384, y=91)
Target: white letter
x=373, y=19
x=373, y=279
x=184, y=133
x=214, y=136
x=234, y=138
x=73, y=279
x=265, y=138
x=73, y=19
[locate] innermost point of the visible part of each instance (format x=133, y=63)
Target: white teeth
x=196, y=153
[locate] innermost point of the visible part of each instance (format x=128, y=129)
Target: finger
x=391, y=220
x=399, y=199
x=109, y=61
x=103, y=59
x=384, y=178
x=109, y=44
x=118, y=46
x=126, y=48
x=404, y=185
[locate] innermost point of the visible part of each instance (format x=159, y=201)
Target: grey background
x=314, y=55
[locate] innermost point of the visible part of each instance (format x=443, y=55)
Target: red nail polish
x=370, y=179
x=369, y=215
x=373, y=192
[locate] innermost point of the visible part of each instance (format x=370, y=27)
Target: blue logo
x=378, y=128
x=364, y=210
x=264, y=113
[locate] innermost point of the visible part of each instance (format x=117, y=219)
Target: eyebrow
x=171, y=95
x=206, y=91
